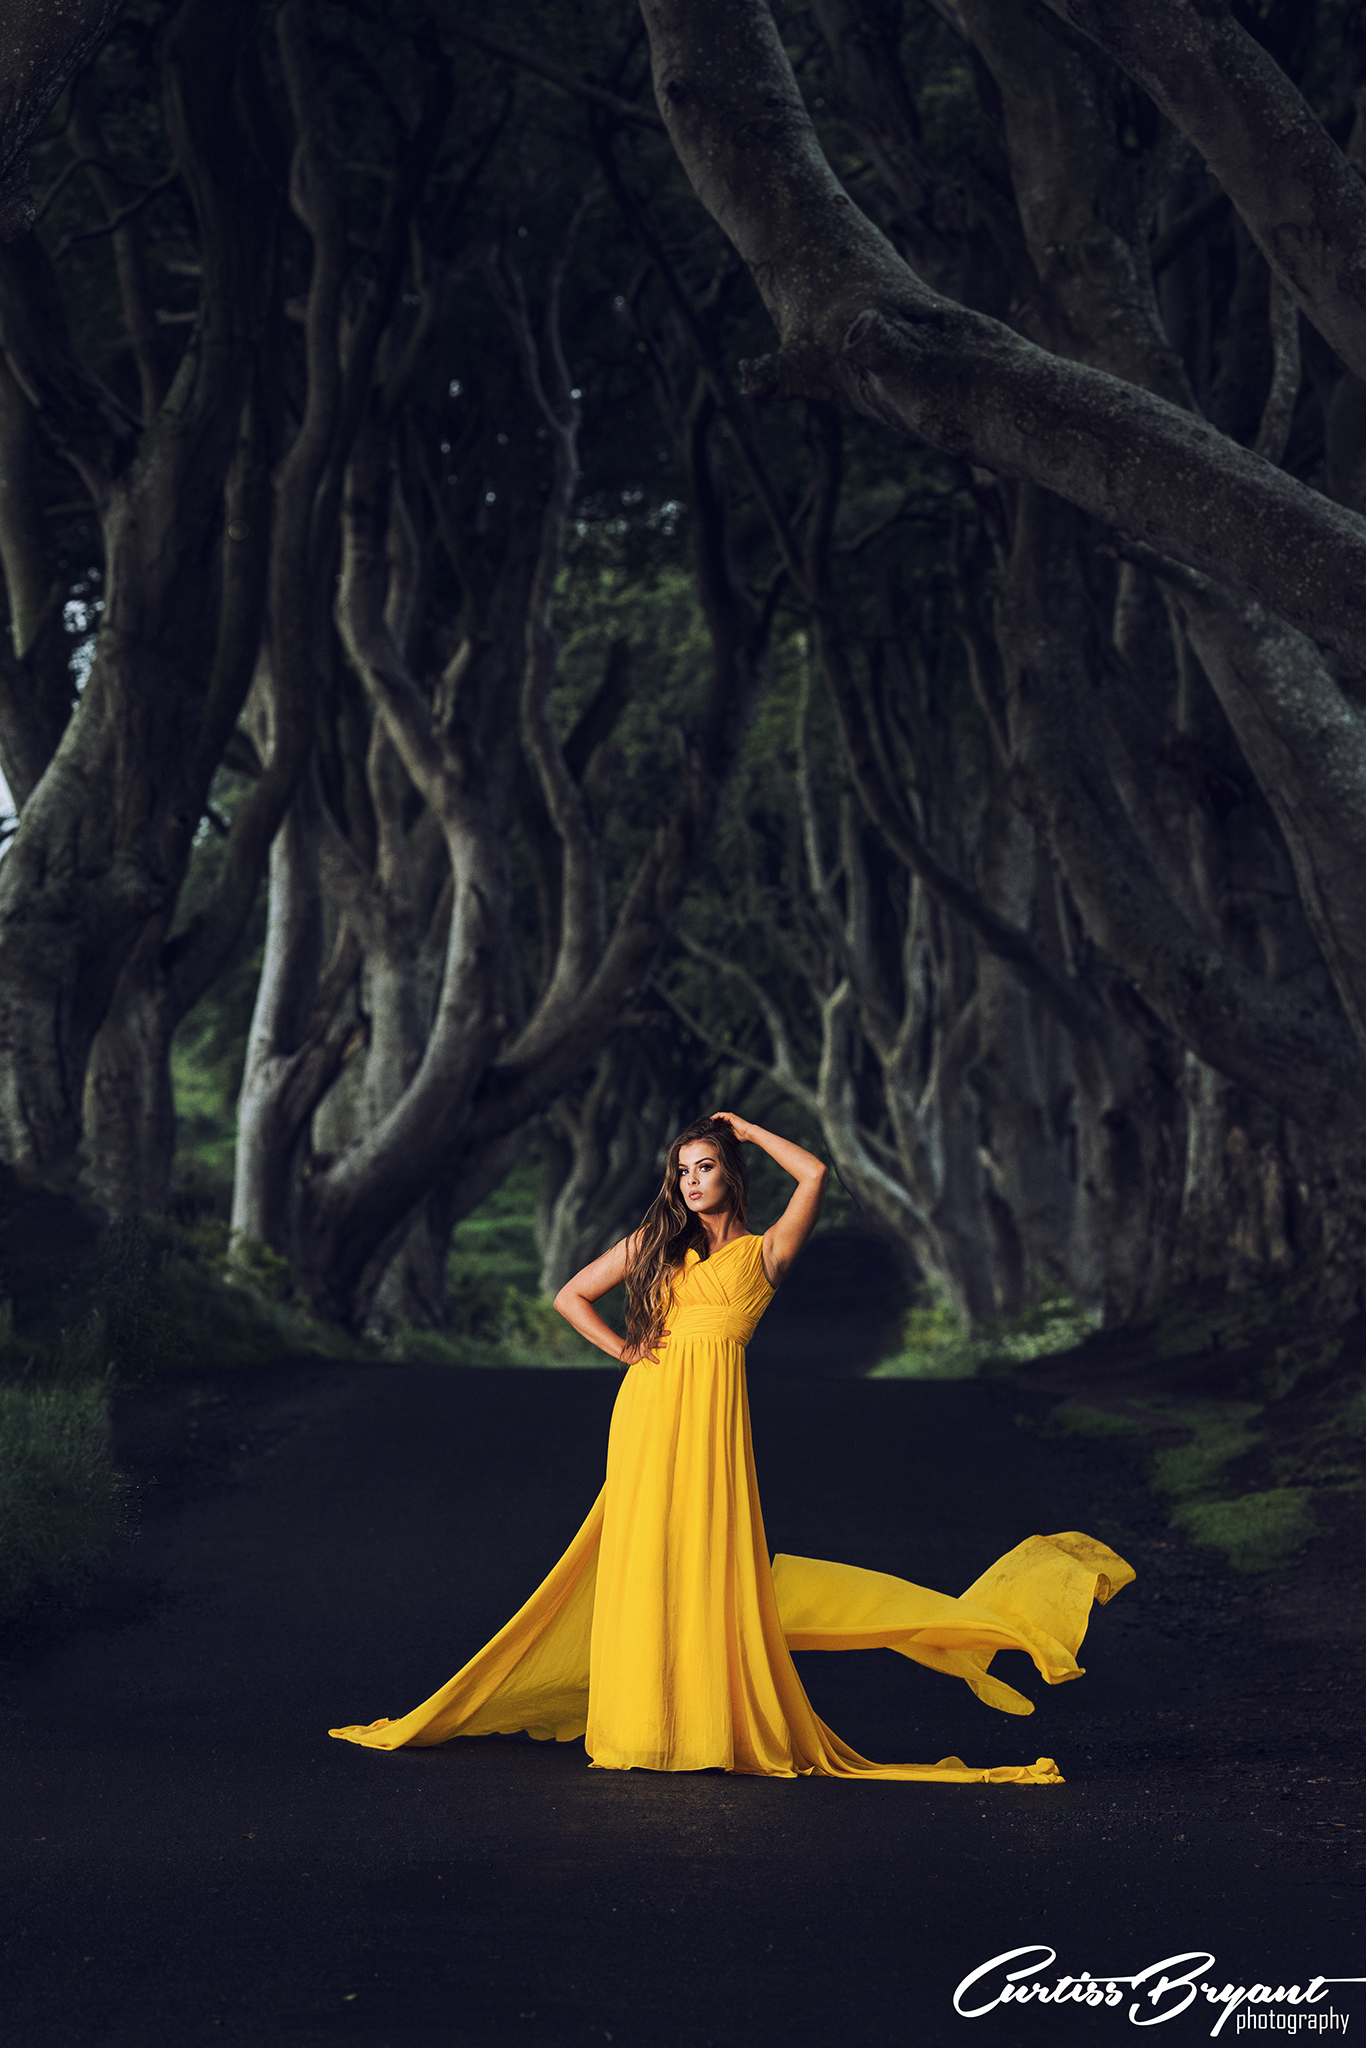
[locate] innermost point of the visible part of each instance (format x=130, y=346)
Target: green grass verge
x=514, y=1330
x=1092, y=1422
x=498, y=1315
x=60, y=1497
x=152, y=1300
x=937, y=1348
x=1257, y=1532
x=1220, y=1432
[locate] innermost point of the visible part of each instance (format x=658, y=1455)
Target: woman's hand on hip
x=633, y=1353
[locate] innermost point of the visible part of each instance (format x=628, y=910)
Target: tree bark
x=1306, y=744
x=104, y=838
x=1296, y=1055
x=129, y=1108
x=36, y=686
x=300, y=1038
x=1301, y=199
x=487, y=1073
x=277, y=564
x=1025, y=1154
x=44, y=47
x=856, y=323
x=935, y=220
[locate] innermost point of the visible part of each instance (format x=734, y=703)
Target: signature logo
x=1158, y=1993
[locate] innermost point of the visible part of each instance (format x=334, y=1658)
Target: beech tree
x=110, y=796
x=395, y=740
x=944, y=373
x=450, y=749
x=212, y=495
x=1011, y=318
x=1049, y=497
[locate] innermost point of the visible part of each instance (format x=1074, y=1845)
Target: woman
x=663, y=1635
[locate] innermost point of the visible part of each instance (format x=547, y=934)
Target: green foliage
x=1257, y=1532
x=498, y=1315
x=535, y=1334
x=1263, y=1527
x=60, y=1498
x=227, y=1304
x=936, y=1347
x=255, y=1267
x=522, y=1332
x=154, y=1299
x=1220, y=1432
x=151, y=1299
x=1247, y=1479
x=494, y=1250
x=1078, y=1420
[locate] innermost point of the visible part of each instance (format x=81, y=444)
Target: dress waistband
x=705, y=1321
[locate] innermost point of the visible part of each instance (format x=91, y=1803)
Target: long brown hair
x=671, y=1230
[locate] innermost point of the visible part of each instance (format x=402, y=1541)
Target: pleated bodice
x=721, y=1297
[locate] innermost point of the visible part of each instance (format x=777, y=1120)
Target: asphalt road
x=187, y=1858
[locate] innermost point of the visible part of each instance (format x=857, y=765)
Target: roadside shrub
x=936, y=1347
x=508, y=1328
x=1073, y=1419
x=144, y=1300
x=60, y=1498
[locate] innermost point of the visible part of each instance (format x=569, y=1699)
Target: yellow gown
x=664, y=1636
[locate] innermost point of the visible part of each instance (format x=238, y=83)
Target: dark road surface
x=189, y=1859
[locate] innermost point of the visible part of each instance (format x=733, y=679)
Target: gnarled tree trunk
x=105, y=834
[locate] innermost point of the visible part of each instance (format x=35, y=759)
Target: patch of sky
x=82, y=615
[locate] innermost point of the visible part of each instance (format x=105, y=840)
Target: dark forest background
x=468, y=706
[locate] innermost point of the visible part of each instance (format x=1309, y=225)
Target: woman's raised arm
x=785, y=1238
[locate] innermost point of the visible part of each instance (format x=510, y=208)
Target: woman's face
x=700, y=1180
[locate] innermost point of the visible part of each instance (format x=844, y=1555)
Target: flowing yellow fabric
x=664, y=1636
